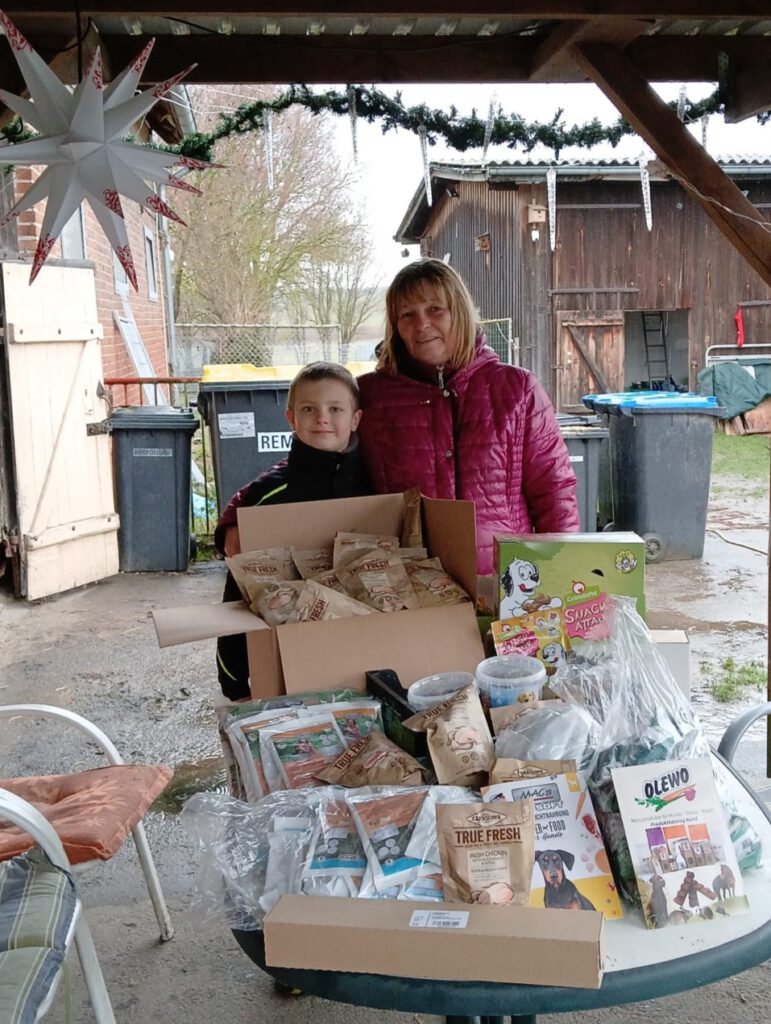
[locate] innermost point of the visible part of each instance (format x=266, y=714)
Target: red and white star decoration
x=81, y=141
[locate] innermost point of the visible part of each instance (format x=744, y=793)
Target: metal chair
x=134, y=806
x=22, y=814
x=739, y=727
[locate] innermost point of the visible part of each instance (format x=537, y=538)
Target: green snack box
x=554, y=570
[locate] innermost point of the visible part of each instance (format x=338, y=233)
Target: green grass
x=746, y=456
x=730, y=681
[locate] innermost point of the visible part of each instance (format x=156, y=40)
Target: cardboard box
x=555, y=569
x=440, y=941
x=673, y=645
x=325, y=655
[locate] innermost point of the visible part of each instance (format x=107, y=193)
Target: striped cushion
x=37, y=910
x=26, y=978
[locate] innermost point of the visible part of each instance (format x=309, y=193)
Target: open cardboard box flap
x=525, y=945
x=337, y=652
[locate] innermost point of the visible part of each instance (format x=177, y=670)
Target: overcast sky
x=390, y=166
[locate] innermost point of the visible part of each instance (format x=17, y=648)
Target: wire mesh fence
x=259, y=344
x=500, y=338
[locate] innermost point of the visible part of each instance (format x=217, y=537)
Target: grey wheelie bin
x=248, y=430
x=151, y=461
x=587, y=440
x=660, y=462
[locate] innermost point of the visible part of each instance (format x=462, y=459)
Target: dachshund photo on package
x=559, y=892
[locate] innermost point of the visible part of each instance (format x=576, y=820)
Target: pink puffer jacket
x=487, y=433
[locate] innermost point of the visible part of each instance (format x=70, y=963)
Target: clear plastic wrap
x=641, y=716
x=552, y=731
x=314, y=841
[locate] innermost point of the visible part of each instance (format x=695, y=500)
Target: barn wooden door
x=66, y=517
x=590, y=356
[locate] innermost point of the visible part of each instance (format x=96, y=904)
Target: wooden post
x=696, y=171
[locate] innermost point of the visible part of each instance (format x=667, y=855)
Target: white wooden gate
x=63, y=472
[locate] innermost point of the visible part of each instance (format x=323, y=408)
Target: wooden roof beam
x=696, y=171
x=748, y=91
x=277, y=59
x=552, y=9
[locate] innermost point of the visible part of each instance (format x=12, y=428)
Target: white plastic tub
x=434, y=689
x=510, y=679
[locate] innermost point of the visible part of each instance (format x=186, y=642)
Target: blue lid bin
x=151, y=462
x=658, y=468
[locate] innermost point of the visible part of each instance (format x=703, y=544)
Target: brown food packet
x=412, y=554
x=330, y=579
x=511, y=769
x=487, y=851
x=276, y=602
x=316, y=602
x=311, y=562
x=380, y=581
x=374, y=761
x=350, y=546
x=459, y=739
x=412, y=521
x=252, y=569
x=432, y=585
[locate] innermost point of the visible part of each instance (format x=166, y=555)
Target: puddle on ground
x=206, y=776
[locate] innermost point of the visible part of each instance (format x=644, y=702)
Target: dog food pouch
x=459, y=739
x=380, y=581
x=253, y=569
x=512, y=769
x=385, y=824
x=374, y=761
x=355, y=718
x=538, y=635
x=287, y=845
x=316, y=602
x=312, y=561
x=335, y=849
x=416, y=554
x=259, y=777
x=275, y=603
x=423, y=843
x=432, y=584
x=412, y=519
x=302, y=750
x=486, y=851
x=330, y=579
x=350, y=546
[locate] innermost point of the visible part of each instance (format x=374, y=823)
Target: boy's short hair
x=323, y=371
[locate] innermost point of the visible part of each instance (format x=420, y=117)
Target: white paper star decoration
x=81, y=140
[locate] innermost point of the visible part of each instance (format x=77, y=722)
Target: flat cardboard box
x=566, y=566
x=524, y=945
x=326, y=655
x=674, y=647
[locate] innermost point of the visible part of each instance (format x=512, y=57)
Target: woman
x=442, y=413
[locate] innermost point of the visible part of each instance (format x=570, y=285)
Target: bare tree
x=337, y=292
x=247, y=244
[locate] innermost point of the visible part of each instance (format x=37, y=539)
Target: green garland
x=459, y=132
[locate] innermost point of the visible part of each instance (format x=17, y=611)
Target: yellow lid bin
x=219, y=373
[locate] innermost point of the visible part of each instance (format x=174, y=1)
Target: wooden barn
x=621, y=295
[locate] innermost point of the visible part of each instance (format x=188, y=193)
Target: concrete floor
x=94, y=651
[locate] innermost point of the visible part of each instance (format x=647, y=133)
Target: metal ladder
x=655, y=327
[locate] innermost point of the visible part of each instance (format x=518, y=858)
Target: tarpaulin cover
x=738, y=387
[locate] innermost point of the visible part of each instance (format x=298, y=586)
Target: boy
x=323, y=462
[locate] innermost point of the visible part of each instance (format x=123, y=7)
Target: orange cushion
x=92, y=811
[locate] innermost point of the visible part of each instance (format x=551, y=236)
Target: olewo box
x=337, y=652
x=450, y=942
x=537, y=572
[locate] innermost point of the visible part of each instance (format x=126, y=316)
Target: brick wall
x=149, y=314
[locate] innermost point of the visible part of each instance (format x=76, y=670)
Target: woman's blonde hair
x=405, y=286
